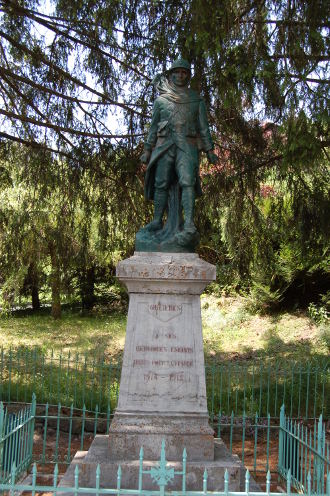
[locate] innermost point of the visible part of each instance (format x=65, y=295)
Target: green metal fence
x=61, y=426
x=67, y=430
x=304, y=453
x=264, y=445
x=16, y=440
x=162, y=475
x=94, y=380
x=264, y=387
x=247, y=436
x=79, y=379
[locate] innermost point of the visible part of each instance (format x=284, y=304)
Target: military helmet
x=180, y=64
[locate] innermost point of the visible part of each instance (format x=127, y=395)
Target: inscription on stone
x=163, y=333
x=164, y=311
x=172, y=363
x=141, y=363
x=151, y=348
x=163, y=354
x=173, y=377
x=158, y=349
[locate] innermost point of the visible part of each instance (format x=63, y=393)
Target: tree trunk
x=87, y=282
x=34, y=285
x=35, y=297
x=55, y=282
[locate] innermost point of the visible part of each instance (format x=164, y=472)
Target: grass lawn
x=74, y=332
x=230, y=331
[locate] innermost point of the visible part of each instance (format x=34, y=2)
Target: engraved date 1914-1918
x=172, y=377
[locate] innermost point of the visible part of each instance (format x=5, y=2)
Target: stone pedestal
x=98, y=454
x=162, y=391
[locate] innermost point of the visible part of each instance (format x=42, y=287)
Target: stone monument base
x=162, y=392
x=99, y=454
x=129, y=432
x=146, y=241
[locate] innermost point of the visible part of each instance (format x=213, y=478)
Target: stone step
x=99, y=454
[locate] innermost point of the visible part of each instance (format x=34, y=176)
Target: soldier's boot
x=160, y=204
x=188, y=203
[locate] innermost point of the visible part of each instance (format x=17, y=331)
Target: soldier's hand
x=145, y=156
x=212, y=157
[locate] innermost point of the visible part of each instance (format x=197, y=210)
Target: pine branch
x=301, y=77
x=57, y=19
x=285, y=56
x=33, y=144
x=53, y=27
x=57, y=69
x=35, y=109
x=73, y=99
x=58, y=128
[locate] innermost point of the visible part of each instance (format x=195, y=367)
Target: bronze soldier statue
x=179, y=130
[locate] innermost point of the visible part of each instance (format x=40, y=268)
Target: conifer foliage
x=75, y=101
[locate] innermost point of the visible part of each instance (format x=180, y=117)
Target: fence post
x=9, y=373
x=97, y=479
x=226, y=482
x=31, y=432
x=231, y=433
x=55, y=475
x=205, y=481
x=255, y=443
x=34, y=478
x=76, y=479
x=83, y=428
x=2, y=423
x=288, y=483
x=219, y=423
x=309, y=484
x=268, y=436
x=57, y=432
x=307, y=390
x=140, y=468
x=268, y=480
x=318, y=459
x=213, y=393
x=281, y=439
x=243, y=438
x=1, y=372
x=118, y=479
x=70, y=434
x=96, y=419
x=2, y=416
x=247, y=481
x=184, y=470
x=12, y=479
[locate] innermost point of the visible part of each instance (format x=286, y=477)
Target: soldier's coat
x=179, y=118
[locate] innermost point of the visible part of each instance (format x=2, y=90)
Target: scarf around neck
x=171, y=92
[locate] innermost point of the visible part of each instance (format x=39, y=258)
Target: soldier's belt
x=179, y=128
x=183, y=129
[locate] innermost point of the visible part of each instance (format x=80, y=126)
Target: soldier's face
x=180, y=76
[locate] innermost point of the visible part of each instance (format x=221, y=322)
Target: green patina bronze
x=179, y=130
